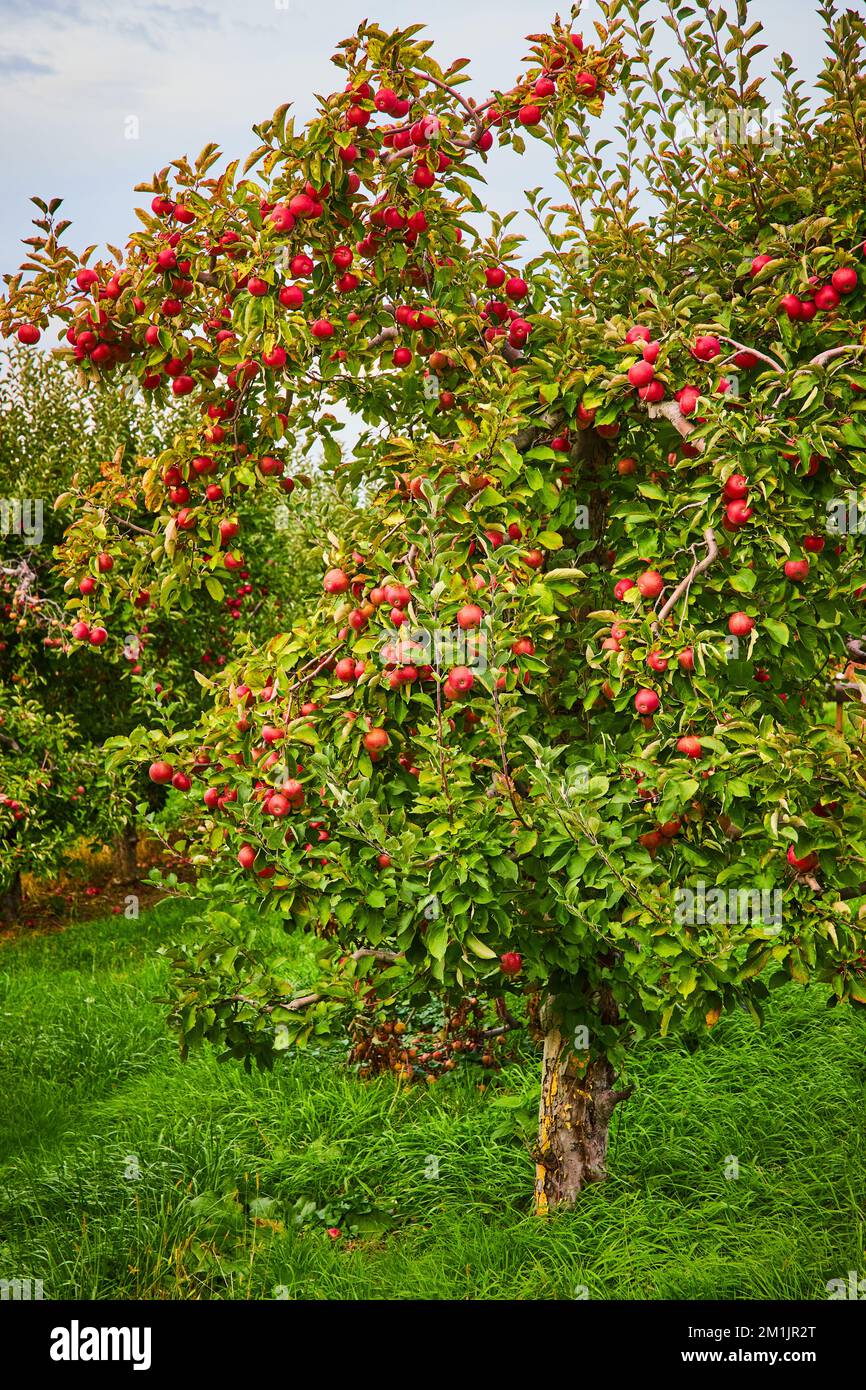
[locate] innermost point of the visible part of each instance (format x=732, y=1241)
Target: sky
x=95, y=95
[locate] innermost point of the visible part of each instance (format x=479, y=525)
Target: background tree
x=58, y=439
x=609, y=466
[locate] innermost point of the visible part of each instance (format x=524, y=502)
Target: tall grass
x=125, y=1174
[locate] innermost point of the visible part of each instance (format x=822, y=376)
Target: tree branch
x=697, y=568
x=669, y=410
x=762, y=356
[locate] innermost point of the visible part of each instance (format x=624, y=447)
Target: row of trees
x=62, y=699
x=605, y=469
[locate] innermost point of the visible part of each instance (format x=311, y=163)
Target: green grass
x=91, y=1086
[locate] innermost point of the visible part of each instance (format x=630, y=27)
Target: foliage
x=59, y=437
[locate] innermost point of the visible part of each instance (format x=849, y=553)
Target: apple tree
x=60, y=434
x=573, y=726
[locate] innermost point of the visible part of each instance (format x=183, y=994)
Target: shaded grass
x=125, y=1174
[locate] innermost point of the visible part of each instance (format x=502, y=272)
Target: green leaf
x=778, y=631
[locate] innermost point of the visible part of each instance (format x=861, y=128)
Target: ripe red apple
x=384, y=861
x=511, y=963
x=656, y=662
x=470, y=616
x=737, y=514
x=646, y=702
x=28, y=334
x=686, y=659
x=104, y=562
x=345, y=669
x=736, y=488
x=796, y=569
x=335, y=582
x=523, y=647
x=650, y=584
x=181, y=782
x=160, y=772
x=98, y=636
x=246, y=856
x=321, y=328
x=826, y=298
x=653, y=393
x=804, y=865
x=758, y=264
x=402, y=356
x=740, y=624
x=687, y=399
x=87, y=585
x=843, y=280
x=376, y=741
x=651, y=840
x=641, y=373
x=690, y=746
x=706, y=348
x=461, y=679
x=815, y=544
x=529, y=115
x=291, y=296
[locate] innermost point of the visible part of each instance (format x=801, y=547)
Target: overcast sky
x=74, y=72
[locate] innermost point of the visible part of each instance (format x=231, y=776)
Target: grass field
x=125, y=1174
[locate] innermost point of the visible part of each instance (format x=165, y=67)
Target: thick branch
x=697, y=568
x=762, y=356
x=670, y=411
x=824, y=357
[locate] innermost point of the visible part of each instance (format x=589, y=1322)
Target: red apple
x=736, y=488
x=803, y=865
x=376, y=741
x=470, y=616
x=336, y=582
x=646, y=702
x=690, y=746
x=650, y=583
x=796, y=569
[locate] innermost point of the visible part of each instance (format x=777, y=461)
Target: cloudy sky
x=79, y=77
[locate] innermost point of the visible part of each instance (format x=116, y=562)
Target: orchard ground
x=127, y=1174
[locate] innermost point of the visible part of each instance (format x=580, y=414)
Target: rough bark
x=127, y=852
x=11, y=901
x=578, y=1097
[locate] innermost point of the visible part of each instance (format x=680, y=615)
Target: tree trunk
x=127, y=852
x=577, y=1102
x=11, y=901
